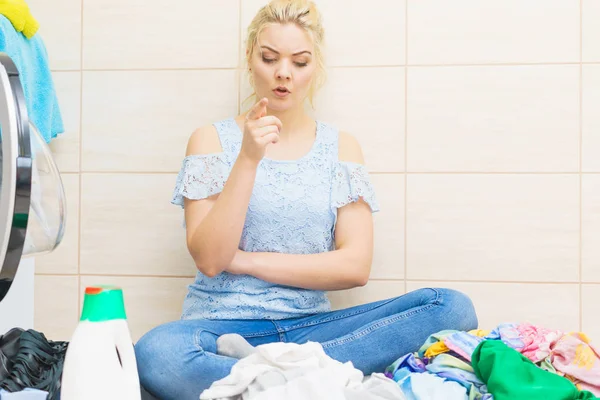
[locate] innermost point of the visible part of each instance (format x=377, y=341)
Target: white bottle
x=100, y=361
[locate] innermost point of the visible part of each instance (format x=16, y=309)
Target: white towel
x=291, y=371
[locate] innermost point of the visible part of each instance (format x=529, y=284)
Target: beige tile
x=493, y=118
x=149, y=34
x=372, y=291
x=553, y=306
x=590, y=30
x=368, y=103
x=590, y=228
x=65, y=258
x=65, y=148
x=379, y=41
x=60, y=28
x=591, y=118
x=147, y=126
x=149, y=302
x=499, y=31
x=56, y=310
x=493, y=227
x=388, y=257
x=129, y=227
x=591, y=307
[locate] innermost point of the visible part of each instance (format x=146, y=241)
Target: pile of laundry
x=513, y=361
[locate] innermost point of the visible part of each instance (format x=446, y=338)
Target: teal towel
x=31, y=58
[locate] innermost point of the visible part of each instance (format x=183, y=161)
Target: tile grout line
x=117, y=275
x=514, y=64
x=501, y=282
x=580, y=165
x=483, y=172
x=174, y=172
x=405, y=145
x=80, y=163
x=397, y=279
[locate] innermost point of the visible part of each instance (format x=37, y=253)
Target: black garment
x=29, y=360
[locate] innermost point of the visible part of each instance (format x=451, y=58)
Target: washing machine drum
x=32, y=199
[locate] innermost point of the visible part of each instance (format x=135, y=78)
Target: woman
x=278, y=210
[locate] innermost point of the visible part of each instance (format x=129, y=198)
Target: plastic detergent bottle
x=100, y=361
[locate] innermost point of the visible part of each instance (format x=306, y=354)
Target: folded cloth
x=409, y=370
x=425, y=386
x=298, y=372
x=435, y=345
x=579, y=360
x=31, y=59
x=25, y=394
x=510, y=375
x=17, y=12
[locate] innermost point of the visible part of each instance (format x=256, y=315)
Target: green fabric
x=509, y=375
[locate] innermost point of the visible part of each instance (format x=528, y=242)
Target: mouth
x=281, y=90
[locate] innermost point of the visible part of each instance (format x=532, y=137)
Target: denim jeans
x=178, y=360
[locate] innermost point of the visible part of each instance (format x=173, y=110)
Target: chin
x=277, y=104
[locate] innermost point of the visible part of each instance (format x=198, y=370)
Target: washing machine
x=32, y=202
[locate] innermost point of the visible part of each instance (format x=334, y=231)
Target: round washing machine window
x=15, y=172
x=32, y=196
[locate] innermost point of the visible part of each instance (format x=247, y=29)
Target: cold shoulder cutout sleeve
x=351, y=182
x=200, y=177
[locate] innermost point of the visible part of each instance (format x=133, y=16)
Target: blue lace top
x=293, y=209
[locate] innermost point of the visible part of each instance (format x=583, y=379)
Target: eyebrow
x=276, y=52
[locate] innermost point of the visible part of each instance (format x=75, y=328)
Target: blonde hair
x=305, y=15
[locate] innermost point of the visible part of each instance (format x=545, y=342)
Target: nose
x=284, y=72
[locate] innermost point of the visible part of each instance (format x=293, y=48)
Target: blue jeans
x=178, y=360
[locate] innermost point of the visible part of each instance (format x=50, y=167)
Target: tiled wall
x=479, y=121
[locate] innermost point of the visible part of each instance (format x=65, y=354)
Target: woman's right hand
x=259, y=131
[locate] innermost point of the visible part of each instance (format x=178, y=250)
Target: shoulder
x=349, y=149
x=204, y=140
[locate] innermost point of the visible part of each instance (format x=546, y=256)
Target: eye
x=268, y=60
x=299, y=64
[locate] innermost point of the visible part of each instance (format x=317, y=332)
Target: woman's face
x=283, y=66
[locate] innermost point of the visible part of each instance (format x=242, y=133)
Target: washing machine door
x=32, y=200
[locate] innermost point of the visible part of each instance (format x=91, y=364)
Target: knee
x=458, y=309
x=150, y=349
x=157, y=351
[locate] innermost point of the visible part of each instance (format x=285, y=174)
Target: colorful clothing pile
x=448, y=356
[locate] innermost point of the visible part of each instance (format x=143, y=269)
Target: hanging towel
x=17, y=12
x=31, y=59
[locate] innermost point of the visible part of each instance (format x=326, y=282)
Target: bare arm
x=214, y=225
x=348, y=266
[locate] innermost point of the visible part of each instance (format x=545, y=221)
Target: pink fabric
x=537, y=341
x=572, y=355
x=575, y=356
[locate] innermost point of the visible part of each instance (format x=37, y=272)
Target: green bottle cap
x=103, y=303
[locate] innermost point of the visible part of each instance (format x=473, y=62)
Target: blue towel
x=25, y=394
x=31, y=58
